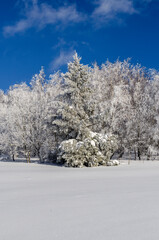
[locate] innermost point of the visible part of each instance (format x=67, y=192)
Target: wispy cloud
x=40, y=15
x=63, y=58
x=107, y=10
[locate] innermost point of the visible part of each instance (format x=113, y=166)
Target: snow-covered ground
x=43, y=202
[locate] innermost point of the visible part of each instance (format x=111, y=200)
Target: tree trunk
x=29, y=157
x=39, y=156
x=148, y=156
x=139, y=153
x=121, y=154
x=135, y=154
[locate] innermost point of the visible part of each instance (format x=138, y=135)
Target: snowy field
x=44, y=202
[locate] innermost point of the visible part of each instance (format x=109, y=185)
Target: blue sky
x=37, y=33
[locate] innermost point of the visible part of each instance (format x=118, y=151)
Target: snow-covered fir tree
x=73, y=116
x=74, y=121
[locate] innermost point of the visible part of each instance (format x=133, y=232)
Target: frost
x=90, y=152
x=82, y=117
x=93, y=143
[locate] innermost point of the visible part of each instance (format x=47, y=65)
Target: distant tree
x=154, y=95
x=111, y=96
x=123, y=105
x=141, y=114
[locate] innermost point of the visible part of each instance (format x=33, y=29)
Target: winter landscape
x=79, y=120
x=84, y=117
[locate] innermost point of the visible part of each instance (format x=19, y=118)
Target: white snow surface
x=44, y=202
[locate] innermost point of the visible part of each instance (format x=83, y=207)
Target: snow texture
x=40, y=202
x=93, y=151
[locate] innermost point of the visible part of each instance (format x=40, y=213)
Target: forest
x=82, y=117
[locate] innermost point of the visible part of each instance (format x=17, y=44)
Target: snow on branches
x=84, y=116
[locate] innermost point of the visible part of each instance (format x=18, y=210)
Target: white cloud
x=108, y=9
x=41, y=15
x=62, y=59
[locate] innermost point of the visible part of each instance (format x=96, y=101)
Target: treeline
x=102, y=110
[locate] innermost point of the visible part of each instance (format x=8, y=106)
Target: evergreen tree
x=78, y=145
x=73, y=115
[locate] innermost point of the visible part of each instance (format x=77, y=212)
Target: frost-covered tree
x=26, y=113
x=111, y=96
x=41, y=110
x=154, y=95
x=74, y=121
x=123, y=104
x=4, y=136
x=17, y=118
x=73, y=115
x=141, y=114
